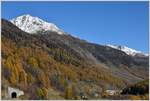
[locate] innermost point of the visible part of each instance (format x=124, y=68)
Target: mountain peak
x=32, y=24
x=127, y=50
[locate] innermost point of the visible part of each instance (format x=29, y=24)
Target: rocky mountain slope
x=31, y=24
x=127, y=50
x=48, y=60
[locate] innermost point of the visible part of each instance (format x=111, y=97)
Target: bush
x=23, y=78
x=133, y=97
x=42, y=93
x=33, y=62
x=69, y=93
x=30, y=79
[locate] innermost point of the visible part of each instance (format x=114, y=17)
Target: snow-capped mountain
x=32, y=24
x=127, y=50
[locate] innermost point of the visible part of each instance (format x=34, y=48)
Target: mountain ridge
x=127, y=50
x=32, y=25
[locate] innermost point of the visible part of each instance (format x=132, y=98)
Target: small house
x=113, y=92
x=14, y=92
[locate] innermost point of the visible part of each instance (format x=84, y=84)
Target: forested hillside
x=53, y=66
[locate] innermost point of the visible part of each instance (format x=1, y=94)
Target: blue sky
x=120, y=23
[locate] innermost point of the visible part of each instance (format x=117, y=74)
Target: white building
x=113, y=92
x=14, y=92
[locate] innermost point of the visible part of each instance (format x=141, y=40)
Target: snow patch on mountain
x=32, y=24
x=127, y=50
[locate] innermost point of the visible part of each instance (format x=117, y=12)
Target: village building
x=14, y=92
x=113, y=92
